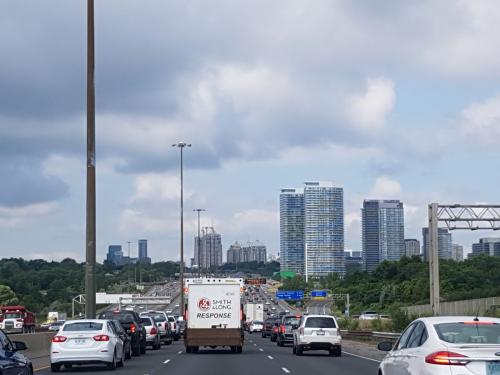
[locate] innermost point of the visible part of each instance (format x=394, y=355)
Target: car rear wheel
x=112, y=365
x=136, y=350
x=128, y=352
x=121, y=362
x=55, y=367
x=143, y=347
x=299, y=350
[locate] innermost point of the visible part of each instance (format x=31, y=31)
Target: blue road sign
x=290, y=294
x=318, y=293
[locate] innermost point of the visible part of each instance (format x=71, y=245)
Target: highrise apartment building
x=445, y=248
x=488, y=246
x=412, y=247
x=382, y=232
x=457, y=252
x=324, y=229
x=292, y=222
x=209, y=252
x=249, y=252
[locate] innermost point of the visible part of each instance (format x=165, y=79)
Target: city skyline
x=263, y=104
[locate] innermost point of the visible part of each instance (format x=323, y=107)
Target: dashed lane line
x=261, y=349
x=179, y=352
x=168, y=360
x=270, y=357
x=360, y=356
x=285, y=370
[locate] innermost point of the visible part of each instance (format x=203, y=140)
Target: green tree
x=7, y=296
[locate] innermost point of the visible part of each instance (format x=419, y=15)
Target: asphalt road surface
x=260, y=356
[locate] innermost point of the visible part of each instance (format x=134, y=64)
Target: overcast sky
x=388, y=99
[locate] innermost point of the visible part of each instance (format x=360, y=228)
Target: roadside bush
x=400, y=318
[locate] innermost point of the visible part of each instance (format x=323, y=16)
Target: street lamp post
x=90, y=235
x=198, y=210
x=181, y=146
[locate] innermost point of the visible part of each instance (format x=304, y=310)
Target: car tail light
x=282, y=329
x=275, y=329
x=338, y=331
x=101, y=338
x=153, y=331
x=446, y=358
x=132, y=328
x=59, y=339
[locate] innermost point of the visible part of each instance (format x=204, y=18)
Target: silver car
x=86, y=342
x=450, y=345
x=152, y=332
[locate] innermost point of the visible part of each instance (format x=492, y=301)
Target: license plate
x=79, y=341
x=493, y=368
x=320, y=333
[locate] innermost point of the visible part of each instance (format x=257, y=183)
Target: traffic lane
x=149, y=363
x=221, y=361
x=315, y=362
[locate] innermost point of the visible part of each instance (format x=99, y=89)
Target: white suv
x=317, y=332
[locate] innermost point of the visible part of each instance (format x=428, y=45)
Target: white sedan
x=256, y=327
x=450, y=345
x=84, y=342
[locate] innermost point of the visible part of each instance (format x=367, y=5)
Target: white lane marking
x=360, y=356
x=180, y=352
x=286, y=370
x=270, y=357
x=254, y=344
x=168, y=360
x=261, y=349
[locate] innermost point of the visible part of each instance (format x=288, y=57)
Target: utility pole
x=198, y=242
x=90, y=237
x=129, y=269
x=181, y=146
x=434, y=258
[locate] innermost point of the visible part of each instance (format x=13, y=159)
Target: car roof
x=318, y=316
x=87, y=321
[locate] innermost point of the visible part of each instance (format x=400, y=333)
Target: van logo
x=204, y=304
x=497, y=354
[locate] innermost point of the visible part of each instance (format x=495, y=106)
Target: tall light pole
x=90, y=235
x=181, y=146
x=129, y=269
x=198, y=210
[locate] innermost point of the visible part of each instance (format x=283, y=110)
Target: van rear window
x=320, y=323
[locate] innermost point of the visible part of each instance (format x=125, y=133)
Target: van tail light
x=446, y=358
x=132, y=328
x=101, y=338
x=282, y=329
x=59, y=339
x=301, y=331
x=338, y=331
x=153, y=331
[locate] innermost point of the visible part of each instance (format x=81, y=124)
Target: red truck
x=17, y=319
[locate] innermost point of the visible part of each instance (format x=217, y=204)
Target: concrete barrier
x=38, y=343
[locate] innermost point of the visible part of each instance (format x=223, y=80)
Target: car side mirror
x=295, y=326
x=385, y=346
x=19, y=345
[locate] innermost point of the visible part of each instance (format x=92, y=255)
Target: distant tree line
x=406, y=282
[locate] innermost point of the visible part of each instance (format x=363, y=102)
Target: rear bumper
x=318, y=342
x=286, y=337
x=214, y=337
x=82, y=356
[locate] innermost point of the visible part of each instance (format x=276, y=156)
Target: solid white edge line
x=360, y=356
x=286, y=370
x=168, y=360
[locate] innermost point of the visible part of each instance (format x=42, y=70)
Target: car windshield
x=469, y=332
x=82, y=326
x=121, y=316
x=158, y=317
x=171, y=319
x=258, y=323
x=146, y=321
x=12, y=315
x=320, y=323
x=291, y=321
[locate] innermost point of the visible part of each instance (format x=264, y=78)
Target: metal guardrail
x=370, y=334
